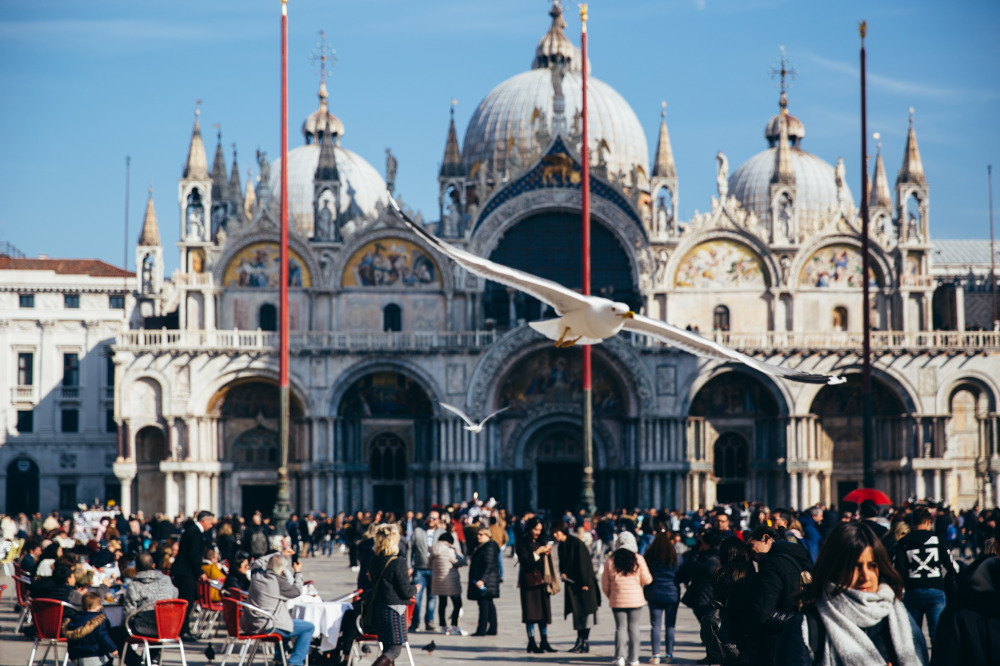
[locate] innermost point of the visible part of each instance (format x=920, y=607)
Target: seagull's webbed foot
x=563, y=342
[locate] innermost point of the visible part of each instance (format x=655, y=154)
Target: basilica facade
x=384, y=329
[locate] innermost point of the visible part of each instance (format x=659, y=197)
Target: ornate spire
x=664, y=164
x=320, y=119
x=250, y=198
x=451, y=165
x=150, y=234
x=219, y=180
x=784, y=172
x=326, y=168
x=913, y=168
x=554, y=46
x=197, y=162
x=235, y=187
x=880, y=196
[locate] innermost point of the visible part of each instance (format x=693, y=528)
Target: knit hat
x=627, y=541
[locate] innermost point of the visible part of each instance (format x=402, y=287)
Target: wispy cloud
x=902, y=87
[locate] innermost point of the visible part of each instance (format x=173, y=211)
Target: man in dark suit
x=186, y=569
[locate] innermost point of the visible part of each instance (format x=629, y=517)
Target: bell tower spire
x=451, y=183
x=149, y=261
x=663, y=183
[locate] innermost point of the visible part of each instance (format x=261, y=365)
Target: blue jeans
x=422, y=579
x=660, y=614
x=930, y=602
x=327, y=546
x=301, y=632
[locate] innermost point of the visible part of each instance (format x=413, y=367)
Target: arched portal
x=549, y=245
x=22, y=487
x=558, y=454
x=248, y=417
x=967, y=439
x=150, y=450
x=385, y=424
x=839, y=433
x=737, y=419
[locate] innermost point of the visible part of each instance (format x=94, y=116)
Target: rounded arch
x=298, y=249
x=161, y=385
x=630, y=234
x=880, y=265
x=777, y=392
x=735, y=394
x=623, y=363
x=207, y=396
x=515, y=454
x=387, y=457
x=981, y=381
x=904, y=391
x=340, y=265
x=690, y=242
x=363, y=369
x=151, y=445
x=245, y=397
x=23, y=486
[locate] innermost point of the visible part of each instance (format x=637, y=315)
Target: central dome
x=523, y=104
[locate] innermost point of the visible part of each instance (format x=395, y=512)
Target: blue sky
x=85, y=84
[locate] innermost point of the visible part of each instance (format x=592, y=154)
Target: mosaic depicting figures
x=385, y=395
x=556, y=376
x=258, y=265
x=720, y=264
x=836, y=267
x=391, y=262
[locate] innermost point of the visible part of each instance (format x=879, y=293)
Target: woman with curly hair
x=853, y=613
x=387, y=573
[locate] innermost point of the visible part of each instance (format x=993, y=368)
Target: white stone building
x=58, y=320
x=383, y=328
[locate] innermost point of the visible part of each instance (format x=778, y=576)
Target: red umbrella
x=859, y=495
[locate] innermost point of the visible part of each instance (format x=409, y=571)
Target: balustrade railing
x=764, y=341
x=24, y=393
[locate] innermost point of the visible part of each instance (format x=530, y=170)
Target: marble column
x=793, y=491
x=937, y=485
x=190, y=492
x=170, y=490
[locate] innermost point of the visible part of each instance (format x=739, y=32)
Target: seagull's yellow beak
x=628, y=315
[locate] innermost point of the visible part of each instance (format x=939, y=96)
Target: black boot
x=544, y=645
x=533, y=647
x=579, y=642
x=585, y=644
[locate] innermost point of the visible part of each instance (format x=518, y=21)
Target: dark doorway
x=843, y=488
x=268, y=317
x=258, y=498
x=388, y=497
x=22, y=487
x=559, y=485
x=729, y=492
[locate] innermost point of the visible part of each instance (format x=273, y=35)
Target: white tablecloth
x=326, y=617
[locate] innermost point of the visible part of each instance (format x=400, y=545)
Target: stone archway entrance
x=150, y=487
x=22, y=487
x=557, y=450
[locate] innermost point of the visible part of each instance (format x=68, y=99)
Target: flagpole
x=282, y=506
x=587, y=501
x=868, y=433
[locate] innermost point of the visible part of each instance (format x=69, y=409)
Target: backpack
x=367, y=612
x=258, y=543
x=717, y=635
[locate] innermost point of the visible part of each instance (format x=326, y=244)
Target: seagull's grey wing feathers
x=547, y=291
x=695, y=344
x=483, y=422
x=458, y=411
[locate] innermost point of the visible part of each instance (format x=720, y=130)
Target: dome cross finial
x=785, y=72
x=663, y=110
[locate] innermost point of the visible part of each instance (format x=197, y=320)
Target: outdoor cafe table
x=326, y=617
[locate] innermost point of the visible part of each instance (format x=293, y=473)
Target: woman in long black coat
x=536, y=607
x=582, y=596
x=484, y=581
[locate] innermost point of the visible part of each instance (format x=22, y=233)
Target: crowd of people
x=766, y=585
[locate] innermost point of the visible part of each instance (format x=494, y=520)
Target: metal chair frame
x=22, y=585
x=363, y=638
x=251, y=642
x=50, y=641
x=134, y=639
x=208, y=611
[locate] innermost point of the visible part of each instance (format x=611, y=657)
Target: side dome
x=362, y=188
x=509, y=111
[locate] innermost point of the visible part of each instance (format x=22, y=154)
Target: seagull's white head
x=622, y=310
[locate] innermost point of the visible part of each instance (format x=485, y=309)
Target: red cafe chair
x=169, y=621
x=22, y=584
x=47, y=615
x=232, y=609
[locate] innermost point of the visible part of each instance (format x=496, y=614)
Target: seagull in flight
x=473, y=426
x=588, y=320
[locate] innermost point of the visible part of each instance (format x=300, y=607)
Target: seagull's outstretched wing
x=483, y=422
x=695, y=344
x=547, y=291
x=465, y=417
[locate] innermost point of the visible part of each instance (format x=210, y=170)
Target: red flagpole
x=587, y=494
x=282, y=507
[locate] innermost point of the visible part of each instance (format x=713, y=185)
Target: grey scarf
x=847, y=614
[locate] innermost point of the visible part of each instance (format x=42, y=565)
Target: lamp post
x=868, y=430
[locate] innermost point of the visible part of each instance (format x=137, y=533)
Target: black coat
x=396, y=587
x=696, y=574
x=777, y=583
x=536, y=606
x=189, y=556
x=969, y=629
x=576, y=565
x=87, y=636
x=485, y=566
